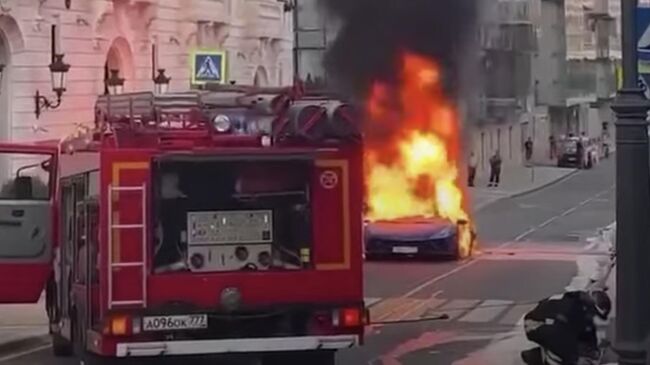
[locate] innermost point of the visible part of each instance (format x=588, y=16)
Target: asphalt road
x=528, y=248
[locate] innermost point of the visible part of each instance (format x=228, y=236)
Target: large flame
x=413, y=169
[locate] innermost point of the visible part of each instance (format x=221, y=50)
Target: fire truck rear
x=221, y=222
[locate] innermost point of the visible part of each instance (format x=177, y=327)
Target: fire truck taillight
x=348, y=317
x=121, y=325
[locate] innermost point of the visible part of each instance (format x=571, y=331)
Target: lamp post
x=115, y=83
x=58, y=72
x=161, y=82
x=632, y=203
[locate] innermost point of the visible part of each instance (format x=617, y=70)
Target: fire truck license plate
x=167, y=323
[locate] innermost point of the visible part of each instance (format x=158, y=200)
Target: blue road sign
x=208, y=67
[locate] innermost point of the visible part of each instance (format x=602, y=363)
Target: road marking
x=487, y=311
x=426, y=305
x=477, y=311
x=385, y=310
x=572, y=209
x=515, y=315
x=559, y=257
x=371, y=301
x=24, y=353
x=458, y=307
x=440, y=277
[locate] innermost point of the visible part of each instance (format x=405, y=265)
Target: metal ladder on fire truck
x=114, y=229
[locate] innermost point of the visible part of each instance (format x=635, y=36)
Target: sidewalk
x=515, y=181
x=23, y=326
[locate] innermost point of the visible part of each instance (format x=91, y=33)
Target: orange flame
x=414, y=171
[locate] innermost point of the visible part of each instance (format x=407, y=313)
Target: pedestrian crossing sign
x=208, y=67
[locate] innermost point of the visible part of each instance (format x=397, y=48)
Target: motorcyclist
x=563, y=326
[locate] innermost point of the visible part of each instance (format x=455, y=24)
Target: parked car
x=569, y=157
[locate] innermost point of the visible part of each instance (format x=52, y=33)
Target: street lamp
x=58, y=72
x=161, y=82
x=115, y=83
x=632, y=203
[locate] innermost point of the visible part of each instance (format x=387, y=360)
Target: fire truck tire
x=85, y=357
x=51, y=302
x=307, y=357
x=61, y=347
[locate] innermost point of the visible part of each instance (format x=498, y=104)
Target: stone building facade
x=548, y=70
x=97, y=35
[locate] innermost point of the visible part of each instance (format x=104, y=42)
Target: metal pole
x=632, y=203
x=297, y=72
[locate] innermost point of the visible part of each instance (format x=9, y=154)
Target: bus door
x=27, y=239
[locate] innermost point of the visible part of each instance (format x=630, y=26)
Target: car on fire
x=418, y=237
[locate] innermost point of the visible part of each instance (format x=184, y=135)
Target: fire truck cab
x=203, y=223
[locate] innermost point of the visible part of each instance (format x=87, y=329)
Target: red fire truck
x=222, y=222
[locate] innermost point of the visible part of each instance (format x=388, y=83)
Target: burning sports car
x=413, y=156
x=421, y=237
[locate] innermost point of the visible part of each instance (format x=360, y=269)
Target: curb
x=23, y=344
x=529, y=191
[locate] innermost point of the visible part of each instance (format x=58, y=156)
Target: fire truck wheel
x=307, y=357
x=78, y=340
x=61, y=347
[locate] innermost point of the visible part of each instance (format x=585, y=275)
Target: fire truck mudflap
x=229, y=222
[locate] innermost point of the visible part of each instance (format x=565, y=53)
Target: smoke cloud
x=374, y=33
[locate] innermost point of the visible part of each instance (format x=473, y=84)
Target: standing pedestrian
x=495, y=169
x=552, y=146
x=471, y=169
x=528, y=147
x=580, y=150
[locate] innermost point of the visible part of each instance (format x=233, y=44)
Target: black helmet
x=602, y=303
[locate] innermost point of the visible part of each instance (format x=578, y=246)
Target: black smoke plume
x=374, y=33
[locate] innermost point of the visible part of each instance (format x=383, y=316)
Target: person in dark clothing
x=471, y=169
x=552, y=146
x=528, y=147
x=580, y=150
x=169, y=252
x=564, y=328
x=495, y=169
